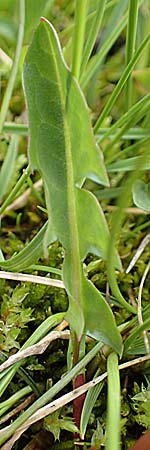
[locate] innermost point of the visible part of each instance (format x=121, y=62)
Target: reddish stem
x=78, y=402
x=77, y=382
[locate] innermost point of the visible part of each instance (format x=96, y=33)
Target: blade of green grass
x=136, y=113
x=12, y=78
x=7, y=375
x=134, y=335
x=15, y=190
x=67, y=32
x=130, y=46
x=117, y=219
x=88, y=405
x=15, y=128
x=92, y=32
x=30, y=254
x=48, y=395
x=113, y=404
x=46, y=269
x=125, y=75
x=129, y=164
x=125, y=118
x=115, y=16
x=80, y=21
x=96, y=61
x=8, y=166
x=7, y=404
x=130, y=149
x=132, y=134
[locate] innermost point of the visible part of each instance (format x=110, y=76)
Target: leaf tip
x=43, y=19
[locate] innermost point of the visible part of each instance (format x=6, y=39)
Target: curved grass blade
x=88, y=405
x=15, y=190
x=8, y=165
x=136, y=336
x=7, y=404
x=30, y=254
x=63, y=149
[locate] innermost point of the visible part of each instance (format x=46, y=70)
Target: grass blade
x=135, y=114
x=125, y=118
x=45, y=398
x=15, y=190
x=96, y=61
x=8, y=166
x=88, y=405
x=15, y=128
x=136, y=133
x=130, y=45
x=113, y=404
x=12, y=78
x=30, y=254
x=7, y=404
x=7, y=375
x=92, y=32
x=80, y=21
x=121, y=83
x=129, y=164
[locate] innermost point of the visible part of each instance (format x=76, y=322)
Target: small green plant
x=64, y=149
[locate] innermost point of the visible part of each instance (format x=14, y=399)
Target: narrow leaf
x=30, y=254
x=113, y=405
x=7, y=168
x=130, y=164
x=88, y=405
x=92, y=32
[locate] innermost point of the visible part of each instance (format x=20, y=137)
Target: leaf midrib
x=74, y=249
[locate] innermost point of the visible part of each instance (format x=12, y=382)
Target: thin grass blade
x=125, y=75
x=88, y=405
x=130, y=46
x=113, y=404
x=80, y=21
x=8, y=166
x=93, y=32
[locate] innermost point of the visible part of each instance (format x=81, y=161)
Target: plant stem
x=12, y=78
x=80, y=21
x=78, y=381
x=130, y=46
